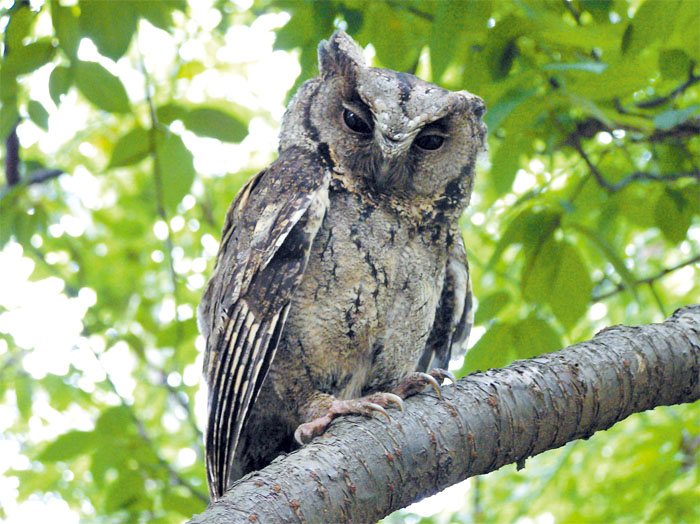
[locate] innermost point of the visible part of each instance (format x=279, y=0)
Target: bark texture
x=363, y=469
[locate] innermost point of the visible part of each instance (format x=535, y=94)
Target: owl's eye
x=356, y=123
x=430, y=142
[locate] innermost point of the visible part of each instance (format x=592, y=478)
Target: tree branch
x=12, y=158
x=363, y=469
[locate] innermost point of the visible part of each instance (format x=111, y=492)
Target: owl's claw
x=430, y=380
x=368, y=406
x=416, y=382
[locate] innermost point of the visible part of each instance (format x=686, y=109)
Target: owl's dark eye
x=430, y=142
x=356, y=123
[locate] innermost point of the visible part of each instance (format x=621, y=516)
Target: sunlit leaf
x=28, y=58
x=109, y=24
x=68, y=445
x=674, y=214
x=215, y=123
x=130, y=148
x=554, y=274
x=101, y=87
x=38, y=114
x=490, y=306
x=21, y=21
x=65, y=22
x=59, y=82
x=176, y=168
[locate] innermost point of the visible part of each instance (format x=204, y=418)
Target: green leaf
x=490, y=306
x=38, y=114
x=176, y=168
x=653, y=21
x=533, y=336
x=493, y=350
x=396, y=34
x=186, y=506
x=101, y=87
x=501, y=46
x=215, y=123
x=113, y=421
x=674, y=214
x=130, y=148
x=169, y=112
x=68, y=446
x=17, y=29
x=160, y=13
x=674, y=63
x=59, y=82
x=529, y=228
x=671, y=118
x=24, y=389
x=29, y=58
x=125, y=492
x=446, y=31
x=67, y=27
x=609, y=252
x=110, y=25
x=554, y=274
x=9, y=116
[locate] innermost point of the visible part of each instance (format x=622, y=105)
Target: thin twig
x=620, y=287
x=411, y=9
x=174, y=475
x=660, y=100
x=158, y=178
x=573, y=11
x=594, y=170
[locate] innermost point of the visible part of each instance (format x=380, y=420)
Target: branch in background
x=594, y=170
x=12, y=158
x=687, y=129
x=621, y=287
x=636, y=176
x=655, y=102
x=411, y=9
x=363, y=469
x=42, y=175
x=572, y=10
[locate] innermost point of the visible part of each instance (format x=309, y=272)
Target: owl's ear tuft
x=339, y=55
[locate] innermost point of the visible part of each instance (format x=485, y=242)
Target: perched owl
x=341, y=276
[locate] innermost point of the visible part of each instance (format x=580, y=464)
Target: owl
x=341, y=285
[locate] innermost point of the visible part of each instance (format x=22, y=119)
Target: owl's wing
x=264, y=250
x=453, y=318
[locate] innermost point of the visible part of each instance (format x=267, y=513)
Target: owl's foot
x=368, y=406
x=416, y=382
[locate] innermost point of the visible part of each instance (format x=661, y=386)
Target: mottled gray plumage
x=342, y=270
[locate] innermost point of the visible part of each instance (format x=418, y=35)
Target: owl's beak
x=389, y=160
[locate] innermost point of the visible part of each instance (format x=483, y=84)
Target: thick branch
x=363, y=469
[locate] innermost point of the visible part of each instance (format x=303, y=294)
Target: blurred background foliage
x=128, y=127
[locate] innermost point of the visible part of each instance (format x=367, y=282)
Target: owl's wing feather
x=453, y=318
x=264, y=249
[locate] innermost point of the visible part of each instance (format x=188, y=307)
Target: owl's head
x=399, y=134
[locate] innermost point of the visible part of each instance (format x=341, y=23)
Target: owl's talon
x=378, y=409
x=450, y=376
x=429, y=379
x=394, y=399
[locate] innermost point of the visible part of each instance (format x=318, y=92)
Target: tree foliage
x=586, y=214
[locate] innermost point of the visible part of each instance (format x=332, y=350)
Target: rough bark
x=363, y=469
